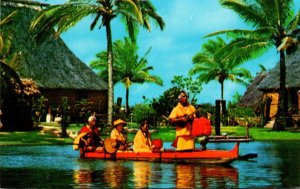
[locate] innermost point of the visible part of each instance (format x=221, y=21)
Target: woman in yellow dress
x=142, y=140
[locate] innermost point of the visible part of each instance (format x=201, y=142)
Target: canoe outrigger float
x=195, y=157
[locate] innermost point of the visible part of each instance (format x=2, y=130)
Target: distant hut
x=54, y=68
x=270, y=85
x=263, y=94
x=253, y=97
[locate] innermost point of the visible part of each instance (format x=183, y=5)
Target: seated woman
x=117, y=135
x=142, y=140
x=88, y=137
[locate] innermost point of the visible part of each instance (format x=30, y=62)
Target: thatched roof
x=51, y=64
x=253, y=97
x=271, y=82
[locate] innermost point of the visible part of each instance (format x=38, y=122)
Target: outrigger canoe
x=195, y=157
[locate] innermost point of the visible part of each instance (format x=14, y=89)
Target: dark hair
x=182, y=91
x=143, y=123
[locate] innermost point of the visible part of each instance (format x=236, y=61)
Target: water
x=277, y=165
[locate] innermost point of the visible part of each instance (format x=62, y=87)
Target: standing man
x=182, y=116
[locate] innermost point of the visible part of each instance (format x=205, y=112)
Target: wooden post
x=218, y=117
x=247, y=130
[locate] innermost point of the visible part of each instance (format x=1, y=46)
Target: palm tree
x=214, y=64
x=8, y=61
x=12, y=91
x=128, y=67
x=62, y=17
x=275, y=25
x=11, y=59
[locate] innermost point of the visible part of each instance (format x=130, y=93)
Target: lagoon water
x=277, y=166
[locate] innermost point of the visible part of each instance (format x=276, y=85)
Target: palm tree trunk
x=127, y=100
x=110, y=73
x=281, y=115
x=222, y=90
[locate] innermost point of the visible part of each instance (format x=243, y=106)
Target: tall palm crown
x=214, y=64
x=62, y=17
x=128, y=67
x=275, y=24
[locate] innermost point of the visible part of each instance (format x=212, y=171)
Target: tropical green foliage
x=235, y=99
x=11, y=59
x=38, y=108
x=82, y=109
x=214, y=63
x=65, y=115
x=192, y=87
x=5, y=37
x=128, y=67
x=275, y=25
x=62, y=17
x=164, y=104
x=143, y=112
x=14, y=100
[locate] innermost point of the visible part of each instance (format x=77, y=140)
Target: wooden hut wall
x=97, y=98
x=298, y=101
x=274, y=103
x=294, y=101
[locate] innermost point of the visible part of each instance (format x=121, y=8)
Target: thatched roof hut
x=51, y=64
x=270, y=85
x=271, y=82
x=263, y=95
x=253, y=97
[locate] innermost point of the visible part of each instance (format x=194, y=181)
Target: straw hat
x=118, y=122
x=110, y=145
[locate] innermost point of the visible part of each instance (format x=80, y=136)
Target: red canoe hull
x=196, y=156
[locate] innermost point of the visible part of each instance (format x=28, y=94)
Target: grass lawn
x=32, y=138
x=263, y=133
x=38, y=137
x=255, y=133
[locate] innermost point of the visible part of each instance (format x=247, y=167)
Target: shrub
x=143, y=112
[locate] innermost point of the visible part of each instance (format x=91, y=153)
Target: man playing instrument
x=88, y=137
x=182, y=116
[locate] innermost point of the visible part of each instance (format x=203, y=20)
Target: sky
x=172, y=50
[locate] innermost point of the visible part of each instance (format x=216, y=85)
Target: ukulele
x=181, y=124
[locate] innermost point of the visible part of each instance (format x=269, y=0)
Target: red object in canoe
x=158, y=143
x=197, y=156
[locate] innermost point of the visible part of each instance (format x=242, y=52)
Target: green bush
x=143, y=112
x=242, y=116
x=164, y=104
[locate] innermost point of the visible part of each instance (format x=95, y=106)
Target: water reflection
x=82, y=177
x=191, y=176
x=116, y=174
x=185, y=176
x=141, y=174
x=61, y=167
